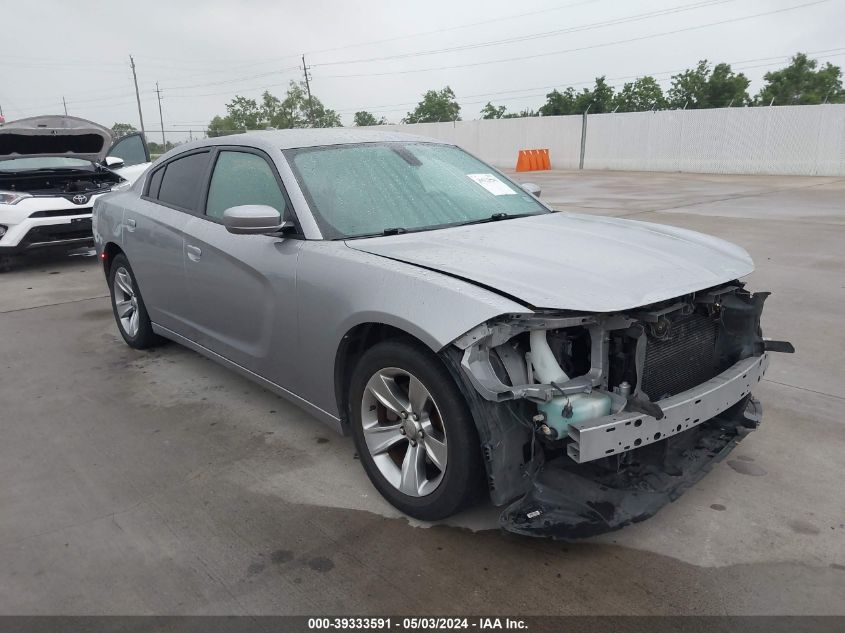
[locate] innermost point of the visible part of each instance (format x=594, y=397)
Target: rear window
x=180, y=185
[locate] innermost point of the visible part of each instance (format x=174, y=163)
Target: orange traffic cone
x=522, y=161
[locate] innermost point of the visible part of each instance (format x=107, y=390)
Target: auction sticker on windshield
x=492, y=184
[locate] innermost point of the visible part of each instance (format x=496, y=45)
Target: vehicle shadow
x=29, y=262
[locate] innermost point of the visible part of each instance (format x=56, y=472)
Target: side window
x=180, y=185
x=242, y=178
x=155, y=182
x=131, y=149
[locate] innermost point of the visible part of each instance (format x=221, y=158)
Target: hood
x=569, y=261
x=62, y=136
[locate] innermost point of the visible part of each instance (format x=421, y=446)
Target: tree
x=122, y=129
x=726, y=88
x=221, y=126
x=598, y=100
x=435, y=106
x=300, y=111
x=688, y=87
x=701, y=87
x=364, y=118
x=642, y=94
x=559, y=103
x=158, y=149
x=801, y=84
x=492, y=112
x=295, y=110
x=245, y=114
x=527, y=112
x=500, y=112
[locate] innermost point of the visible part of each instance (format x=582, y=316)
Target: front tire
x=128, y=307
x=413, y=430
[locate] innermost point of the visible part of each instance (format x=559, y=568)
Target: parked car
x=52, y=170
x=582, y=370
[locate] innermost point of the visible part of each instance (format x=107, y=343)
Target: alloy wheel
x=404, y=431
x=126, y=302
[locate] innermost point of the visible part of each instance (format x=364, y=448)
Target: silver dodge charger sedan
x=581, y=370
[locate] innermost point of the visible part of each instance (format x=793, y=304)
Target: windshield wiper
x=398, y=230
x=495, y=218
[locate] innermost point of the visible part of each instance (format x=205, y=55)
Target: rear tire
x=414, y=432
x=128, y=307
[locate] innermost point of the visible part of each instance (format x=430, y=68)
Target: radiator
x=686, y=357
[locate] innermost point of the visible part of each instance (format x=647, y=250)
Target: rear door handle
x=194, y=252
x=130, y=225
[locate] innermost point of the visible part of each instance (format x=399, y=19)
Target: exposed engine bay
x=597, y=421
x=60, y=182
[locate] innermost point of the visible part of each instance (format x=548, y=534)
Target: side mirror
x=531, y=188
x=113, y=161
x=254, y=219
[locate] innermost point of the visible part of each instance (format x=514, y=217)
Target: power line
x=229, y=81
x=581, y=48
x=453, y=28
x=540, y=35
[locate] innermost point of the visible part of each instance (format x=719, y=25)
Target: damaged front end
x=593, y=422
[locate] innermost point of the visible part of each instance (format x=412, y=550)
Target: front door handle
x=130, y=224
x=194, y=252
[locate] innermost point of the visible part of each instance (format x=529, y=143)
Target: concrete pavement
x=158, y=482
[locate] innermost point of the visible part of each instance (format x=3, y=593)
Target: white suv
x=52, y=170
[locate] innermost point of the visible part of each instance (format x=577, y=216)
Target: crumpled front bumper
x=570, y=501
x=626, y=430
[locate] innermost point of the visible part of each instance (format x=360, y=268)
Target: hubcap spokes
x=404, y=431
x=126, y=302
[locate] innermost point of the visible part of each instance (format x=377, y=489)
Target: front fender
x=339, y=288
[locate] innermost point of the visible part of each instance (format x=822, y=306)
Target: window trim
x=203, y=184
x=244, y=149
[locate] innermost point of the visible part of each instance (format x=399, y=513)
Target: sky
x=377, y=55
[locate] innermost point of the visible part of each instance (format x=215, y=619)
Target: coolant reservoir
x=581, y=407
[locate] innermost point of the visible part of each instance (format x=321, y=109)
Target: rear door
x=242, y=287
x=154, y=236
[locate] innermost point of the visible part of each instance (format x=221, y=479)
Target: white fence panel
x=788, y=140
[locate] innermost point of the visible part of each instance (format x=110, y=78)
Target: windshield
x=45, y=162
x=367, y=189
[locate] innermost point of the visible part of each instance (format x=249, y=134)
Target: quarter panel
x=155, y=251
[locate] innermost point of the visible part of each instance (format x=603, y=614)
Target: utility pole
x=161, y=119
x=137, y=96
x=64, y=103
x=308, y=89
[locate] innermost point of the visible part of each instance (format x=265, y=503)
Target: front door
x=242, y=287
x=132, y=149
